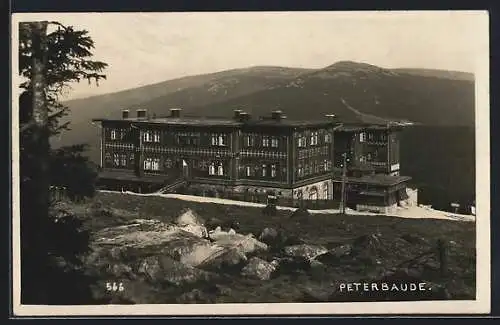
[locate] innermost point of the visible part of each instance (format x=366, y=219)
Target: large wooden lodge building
x=299, y=160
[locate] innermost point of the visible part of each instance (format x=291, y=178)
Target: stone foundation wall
x=315, y=191
x=376, y=209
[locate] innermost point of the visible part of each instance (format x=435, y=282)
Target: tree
x=49, y=61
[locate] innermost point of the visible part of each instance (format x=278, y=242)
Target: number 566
x=113, y=286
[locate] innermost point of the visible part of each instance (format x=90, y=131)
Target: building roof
x=210, y=121
x=379, y=179
x=354, y=127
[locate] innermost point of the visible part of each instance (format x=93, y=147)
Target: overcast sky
x=145, y=48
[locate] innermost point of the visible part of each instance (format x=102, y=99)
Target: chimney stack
x=125, y=113
x=277, y=115
x=175, y=112
x=237, y=113
x=244, y=117
x=141, y=113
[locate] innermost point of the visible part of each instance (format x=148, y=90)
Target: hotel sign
x=394, y=167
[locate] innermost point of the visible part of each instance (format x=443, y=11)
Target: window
x=325, y=165
x=328, y=138
x=273, y=170
x=116, y=159
x=274, y=142
x=168, y=163
x=264, y=170
x=362, y=159
x=314, y=138
x=152, y=164
x=220, y=170
x=218, y=140
x=148, y=136
x=156, y=136
x=362, y=137
x=265, y=141
x=211, y=169
x=107, y=157
x=114, y=135
x=248, y=170
x=249, y=140
x=370, y=136
x=124, y=160
x=325, y=192
x=300, y=171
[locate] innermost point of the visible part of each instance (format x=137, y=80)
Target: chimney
x=141, y=113
x=125, y=113
x=244, y=117
x=175, y=112
x=237, y=113
x=277, y=115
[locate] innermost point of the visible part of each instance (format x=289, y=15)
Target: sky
x=146, y=48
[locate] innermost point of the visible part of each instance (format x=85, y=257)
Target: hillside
x=153, y=246
x=349, y=88
x=445, y=74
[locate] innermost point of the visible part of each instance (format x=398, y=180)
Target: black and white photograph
x=250, y=163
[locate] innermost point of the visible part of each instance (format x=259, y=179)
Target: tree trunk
x=34, y=217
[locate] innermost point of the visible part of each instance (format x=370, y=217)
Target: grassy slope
x=328, y=230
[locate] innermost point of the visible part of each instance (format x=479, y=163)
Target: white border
x=480, y=305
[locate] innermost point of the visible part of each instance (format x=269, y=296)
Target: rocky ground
x=158, y=250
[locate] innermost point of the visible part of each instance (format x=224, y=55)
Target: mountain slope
x=370, y=90
x=444, y=74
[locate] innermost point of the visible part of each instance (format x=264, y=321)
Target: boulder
x=335, y=254
x=189, y=221
x=167, y=270
x=189, y=217
x=226, y=258
x=306, y=251
x=269, y=236
x=259, y=269
x=246, y=243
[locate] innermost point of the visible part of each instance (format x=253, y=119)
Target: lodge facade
x=299, y=160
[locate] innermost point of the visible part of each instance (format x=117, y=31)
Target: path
x=414, y=212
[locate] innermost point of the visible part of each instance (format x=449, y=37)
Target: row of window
x=379, y=137
x=314, y=168
x=313, y=139
x=313, y=152
x=265, y=170
x=267, y=141
x=118, y=134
